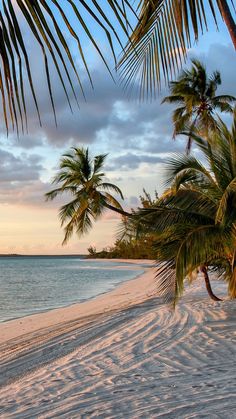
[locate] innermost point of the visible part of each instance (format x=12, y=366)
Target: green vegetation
x=137, y=249
x=132, y=243
x=80, y=177
x=157, y=34
x=195, y=219
x=195, y=92
x=162, y=37
x=192, y=226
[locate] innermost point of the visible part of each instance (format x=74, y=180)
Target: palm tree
x=81, y=177
x=195, y=93
x=195, y=220
x=156, y=45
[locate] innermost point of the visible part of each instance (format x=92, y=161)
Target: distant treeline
x=130, y=244
x=124, y=251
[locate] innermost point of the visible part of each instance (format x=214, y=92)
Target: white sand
x=122, y=355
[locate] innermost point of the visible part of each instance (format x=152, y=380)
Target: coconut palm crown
x=81, y=176
x=195, y=93
x=195, y=219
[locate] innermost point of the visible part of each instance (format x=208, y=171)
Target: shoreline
x=141, y=264
x=117, y=298
x=127, y=355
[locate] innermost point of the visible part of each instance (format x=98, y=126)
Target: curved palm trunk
x=208, y=285
x=120, y=211
x=228, y=18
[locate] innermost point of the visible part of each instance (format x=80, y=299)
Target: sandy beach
x=123, y=355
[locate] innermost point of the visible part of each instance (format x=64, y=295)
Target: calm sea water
x=30, y=285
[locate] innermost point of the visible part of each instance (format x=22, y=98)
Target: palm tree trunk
x=228, y=18
x=120, y=211
x=208, y=285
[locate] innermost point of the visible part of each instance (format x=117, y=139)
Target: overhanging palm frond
x=50, y=23
x=201, y=246
x=166, y=285
x=157, y=46
x=159, y=43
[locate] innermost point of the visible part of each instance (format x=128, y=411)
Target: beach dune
x=122, y=355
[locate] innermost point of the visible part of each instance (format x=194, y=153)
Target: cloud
x=19, y=169
x=222, y=58
x=108, y=120
x=27, y=142
x=132, y=133
x=20, y=181
x=131, y=161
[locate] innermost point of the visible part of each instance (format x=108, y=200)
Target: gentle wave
x=31, y=285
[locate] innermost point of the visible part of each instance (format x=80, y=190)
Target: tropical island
x=162, y=342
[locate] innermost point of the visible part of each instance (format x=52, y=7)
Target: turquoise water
x=33, y=284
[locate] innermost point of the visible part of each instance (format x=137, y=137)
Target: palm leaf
x=188, y=165
x=111, y=200
x=166, y=285
x=228, y=195
x=99, y=162
x=159, y=43
x=42, y=20
x=112, y=187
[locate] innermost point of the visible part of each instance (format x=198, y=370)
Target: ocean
x=30, y=285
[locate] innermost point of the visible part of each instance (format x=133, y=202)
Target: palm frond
x=188, y=165
x=82, y=226
x=109, y=199
x=224, y=206
x=201, y=246
x=42, y=22
x=184, y=208
x=159, y=43
x=110, y=186
x=99, y=162
x=225, y=98
x=127, y=230
x=79, y=215
x=49, y=196
x=166, y=285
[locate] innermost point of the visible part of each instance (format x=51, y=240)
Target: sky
x=137, y=136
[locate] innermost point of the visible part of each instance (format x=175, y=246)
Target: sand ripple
x=141, y=362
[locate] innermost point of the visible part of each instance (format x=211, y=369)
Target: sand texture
x=123, y=355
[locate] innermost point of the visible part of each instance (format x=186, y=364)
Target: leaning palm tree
x=195, y=94
x=157, y=41
x=82, y=178
x=195, y=219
